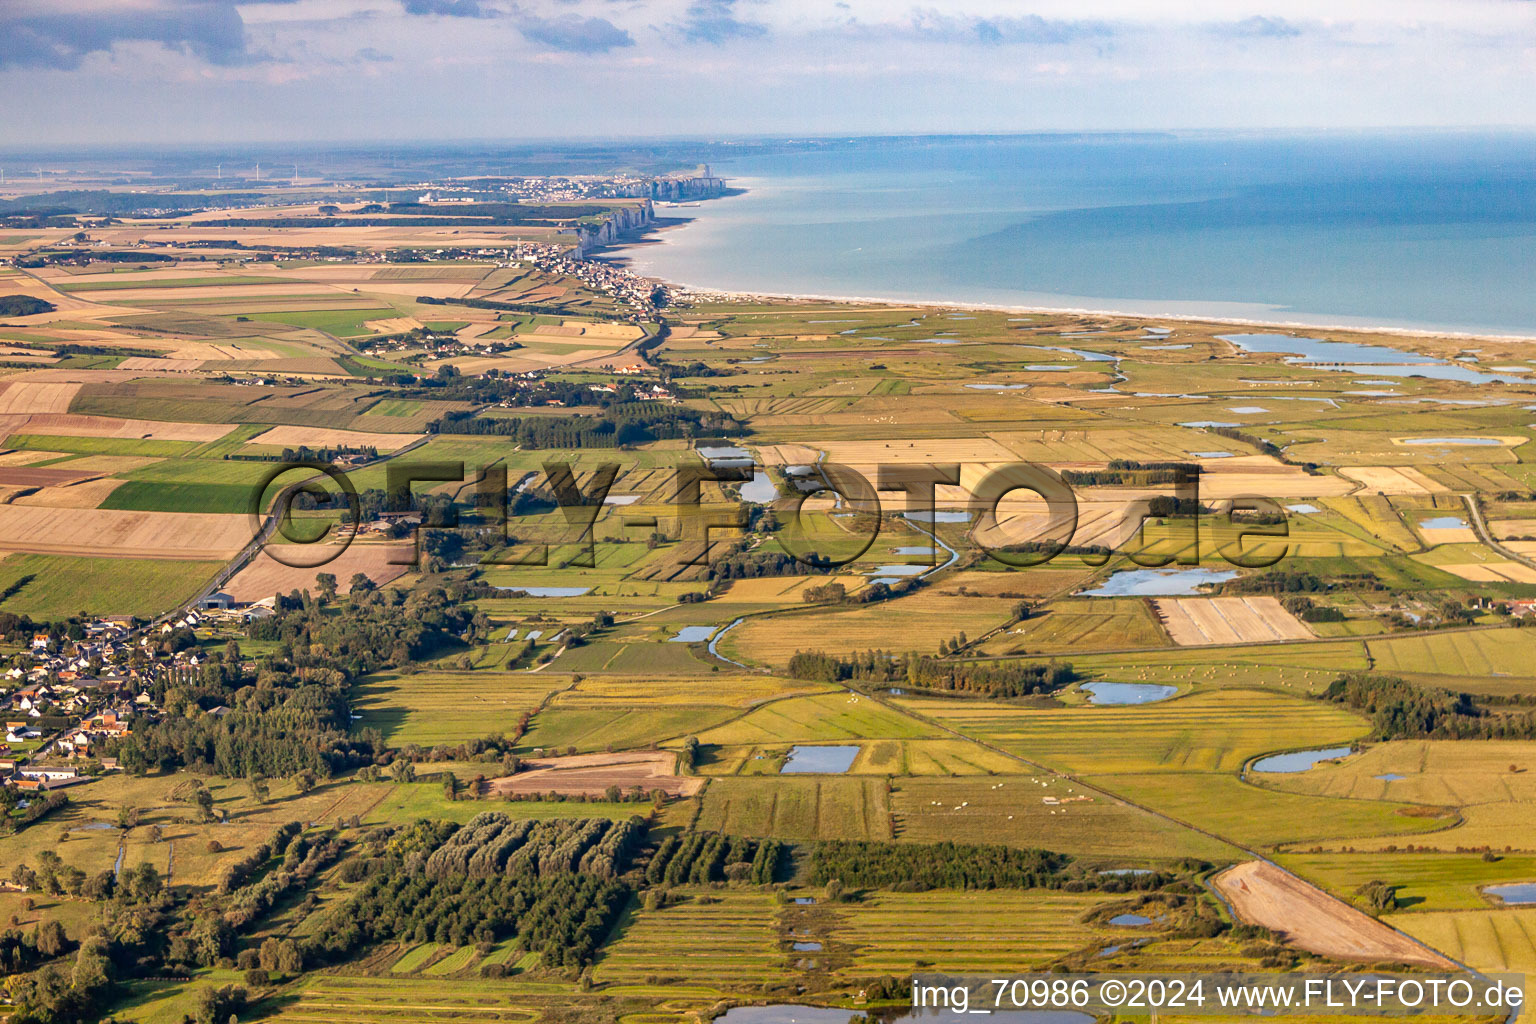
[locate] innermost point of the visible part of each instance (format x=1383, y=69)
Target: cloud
x=1259, y=27
x=998, y=31
x=715, y=21
x=450, y=8
x=571, y=33
x=211, y=30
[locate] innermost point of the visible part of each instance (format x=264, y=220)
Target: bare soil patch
x=1264, y=894
x=592, y=774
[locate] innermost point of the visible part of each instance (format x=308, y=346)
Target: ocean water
x=1417, y=231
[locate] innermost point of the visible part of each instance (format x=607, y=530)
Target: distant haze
x=119, y=71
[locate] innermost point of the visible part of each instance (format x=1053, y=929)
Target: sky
x=188, y=71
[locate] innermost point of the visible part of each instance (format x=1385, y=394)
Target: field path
x=1476, y=512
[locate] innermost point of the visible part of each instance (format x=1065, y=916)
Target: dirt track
x=1264, y=894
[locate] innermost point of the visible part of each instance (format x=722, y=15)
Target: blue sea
x=1433, y=231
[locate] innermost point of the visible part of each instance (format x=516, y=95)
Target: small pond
x=548, y=591
x=692, y=634
x=760, y=489
x=621, y=499
x=1516, y=893
x=722, y=451
x=1304, y=509
x=899, y=570
x=1247, y=410
x=1391, y=777
x=1159, y=582
x=1125, y=871
x=1130, y=920
x=1209, y=423
x=1211, y=455
x=807, y=947
x=1443, y=523
x=938, y=517
x=1298, y=760
x=1468, y=442
x=1128, y=693
x=819, y=760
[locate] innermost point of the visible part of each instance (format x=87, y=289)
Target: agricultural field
x=525, y=652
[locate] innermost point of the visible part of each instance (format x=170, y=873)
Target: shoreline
x=652, y=233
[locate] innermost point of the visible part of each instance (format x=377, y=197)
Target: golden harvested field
x=917, y=622
x=593, y=774
x=966, y=932
x=592, y=329
x=321, y=437
x=154, y=363
x=1393, y=479
x=85, y=494
x=1267, y=895
x=25, y=457
x=27, y=396
x=1012, y=809
x=266, y=576
x=918, y=450
x=1486, y=940
x=66, y=425
x=798, y=807
x=1196, y=621
x=782, y=589
x=113, y=533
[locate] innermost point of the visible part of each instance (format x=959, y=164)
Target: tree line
x=881, y=668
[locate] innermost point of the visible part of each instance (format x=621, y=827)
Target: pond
x=1432, y=372
x=899, y=570
x=1208, y=423
x=760, y=488
x=1081, y=353
x=1298, y=760
x=1390, y=777
x=938, y=517
x=1304, y=509
x=1443, y=523
x=621, y=499
x=1165, y=348
x=548, y=591
x=1247, y=410
x=1515, y=893
x=819, y=760
x=722, y=451
x=692, y=634
x=1048, y=366
x=807, y=947
x=1470, y=442
x=1125, y=871
x=1159, y=582
x=1130, y=920
x=1316, y=350
x=913, y=549
x=1212, y=455
x=1128, y=693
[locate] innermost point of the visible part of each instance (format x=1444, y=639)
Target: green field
x=788, y=807
x=64, y=585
